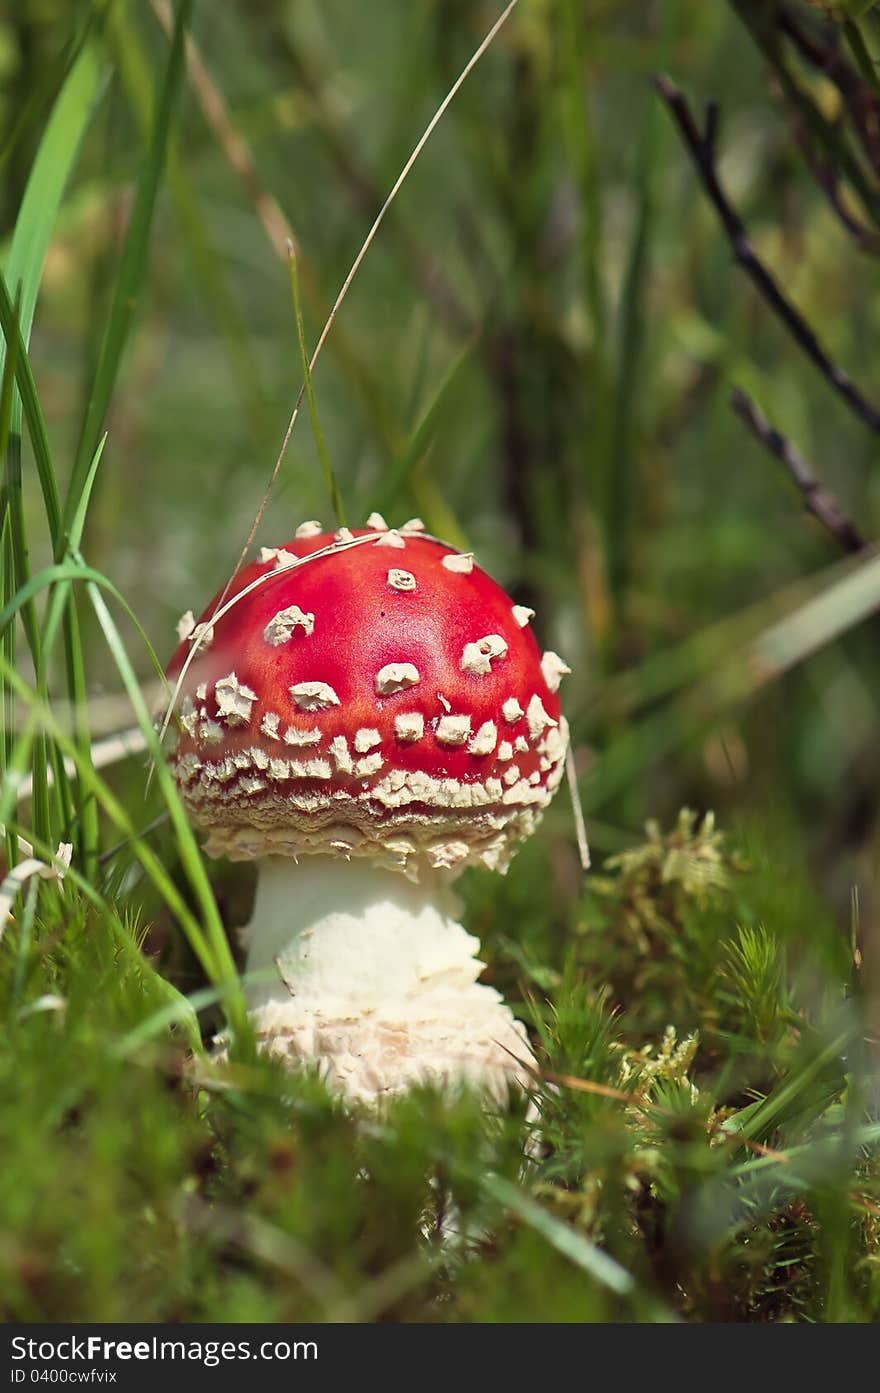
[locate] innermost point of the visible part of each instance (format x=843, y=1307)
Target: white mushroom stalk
x=371, y=976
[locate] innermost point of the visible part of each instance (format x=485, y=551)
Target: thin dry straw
x=426, y=135
x=577, y=811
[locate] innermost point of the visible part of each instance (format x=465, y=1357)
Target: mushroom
x=371, y=715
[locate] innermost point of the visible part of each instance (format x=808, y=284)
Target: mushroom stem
x=370, y=976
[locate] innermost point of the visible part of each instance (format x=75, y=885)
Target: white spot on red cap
x=396, y=677
x=341, y=754
x=511, y=775
x=313, y=696
x=343, y=534
x=370, y=764
x=392, y=538
x=461, y=562
x=279, y=555
x=409, y=725
x=401, y=580
x=187, y=628
x=522, y=614
x=310, y=769
x=554, y=744
x=269, y=725
x=483, y=742
x=377, y=523
x=453, y=730
x=188, y=716
x=281, y=626
x=413, y=525
x=234, y=700
x=522, y=744
x=365, y=740
x=294, y=736
x=537, y=717
x=512, y=711
x=505, y=750
x=553, y=669
x=312, y=528
x=479, y=656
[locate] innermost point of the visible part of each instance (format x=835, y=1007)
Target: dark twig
x=826, y=178
x=818, y=499
x=824, y=53
x=822, y=50
x=701, y=149
x=831, y=134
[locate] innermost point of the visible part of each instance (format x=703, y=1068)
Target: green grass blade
x=850, y=598
x=45, y=93
x=602, y=1268
x=223, y=969
x=47, y=182
x=124, y=303
x=575, y=1246
x=33, y=414
x=98, y=789
x=45, y=188
x=397, y=477
x=178, y=1010
x=211, y=271
x=132, y=265
x=78, y=521
x=622, y=477
x=72, y=570
x=326, y=466
x=7, y=580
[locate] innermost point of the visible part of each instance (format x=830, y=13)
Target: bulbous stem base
x=371, y=977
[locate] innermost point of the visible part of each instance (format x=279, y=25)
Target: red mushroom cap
x=370, y=693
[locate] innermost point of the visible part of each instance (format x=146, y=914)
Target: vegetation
x=537, y=356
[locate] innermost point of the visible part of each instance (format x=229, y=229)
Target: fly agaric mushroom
x=368, y=714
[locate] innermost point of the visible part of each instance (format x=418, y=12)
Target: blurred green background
x=537, y=358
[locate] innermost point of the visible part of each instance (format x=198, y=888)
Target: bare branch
x=826, y=56
x=818, y=499
x=702, y=153
x=825, y=176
